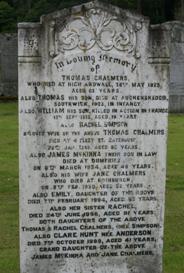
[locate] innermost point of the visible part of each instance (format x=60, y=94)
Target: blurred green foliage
x=14, y=11
x=7, y=16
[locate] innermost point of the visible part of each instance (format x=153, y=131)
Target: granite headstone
x=93, y=93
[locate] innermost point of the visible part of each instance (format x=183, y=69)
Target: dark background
x=14, y=11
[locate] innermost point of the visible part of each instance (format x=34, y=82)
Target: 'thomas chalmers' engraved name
x=148, y=132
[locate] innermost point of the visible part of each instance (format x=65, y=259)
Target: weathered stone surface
x=8, y=67
x=93, y=92
x=8, y=64
x=176, y=99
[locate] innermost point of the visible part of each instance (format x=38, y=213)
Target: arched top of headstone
x=93, y=24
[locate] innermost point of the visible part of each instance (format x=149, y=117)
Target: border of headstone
x=93, y=43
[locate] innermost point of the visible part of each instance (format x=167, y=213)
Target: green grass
x=9, y=249
x=174, y=211
x=174, y=215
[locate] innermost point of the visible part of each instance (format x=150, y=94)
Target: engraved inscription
x=93, y=128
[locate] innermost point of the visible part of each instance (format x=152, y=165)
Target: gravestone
x=176, y=92
x=93, y=93
x=8, y=65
